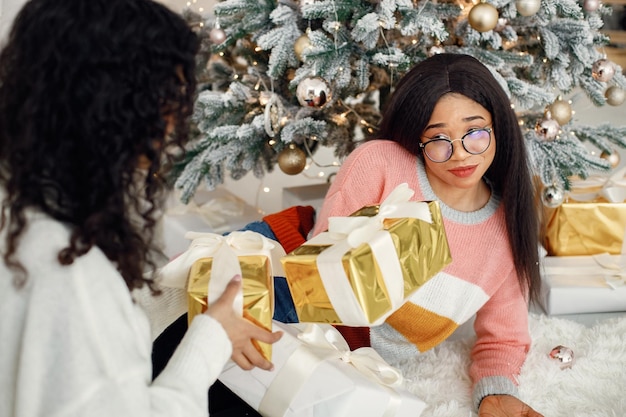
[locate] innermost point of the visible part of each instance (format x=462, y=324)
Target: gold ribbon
x=323, y=343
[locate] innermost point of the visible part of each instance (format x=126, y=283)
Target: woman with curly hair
x=90, y=91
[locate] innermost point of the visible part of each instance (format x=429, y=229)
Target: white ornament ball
x=603, y=70
x=561, y=111
x=547, y=129
x=527, y=7
x=552, y=196
x=217, y=35
x=614, y=95
x=591, y=5
x=313, y=92
x=483, y=17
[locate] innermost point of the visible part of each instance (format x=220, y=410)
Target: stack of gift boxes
x=358, y=273
x=585, y=269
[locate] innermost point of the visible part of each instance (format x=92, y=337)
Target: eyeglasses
x=439, y=148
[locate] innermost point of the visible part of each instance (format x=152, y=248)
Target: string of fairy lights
x=315, y=92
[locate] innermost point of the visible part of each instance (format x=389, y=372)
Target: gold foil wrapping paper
x=422, y=250
x=258, y=291
x=586, y=229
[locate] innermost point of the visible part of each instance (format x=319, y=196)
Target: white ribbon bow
x=613, y=188
x=346, y=233
x=224, y=250
x=615, y=269
x=322, y=344
x=360, y=229
x=214, y=212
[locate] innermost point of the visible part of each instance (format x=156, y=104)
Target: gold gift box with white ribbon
x=366, y=265
x=592, y=221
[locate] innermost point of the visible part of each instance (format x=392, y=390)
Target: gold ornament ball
x=483, y=17
x=614, y=95
x=527, y=7
x=612, y=158
x=561, y=111
x=292, y=160
x=301, y=45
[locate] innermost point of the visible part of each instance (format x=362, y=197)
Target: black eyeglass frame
x=422, y=145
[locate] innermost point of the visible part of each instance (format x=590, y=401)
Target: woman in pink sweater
x=450, y=133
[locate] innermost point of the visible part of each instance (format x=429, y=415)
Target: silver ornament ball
x=527, y=7
x=436, y=50
x=483, y=17
x=313, y=92
x=591, y=5
x=547, y=129
x=217, y=35
x=614, y=95
x=603, y=70
x=552, y=196
x=563, y=355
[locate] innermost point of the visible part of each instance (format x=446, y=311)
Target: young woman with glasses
x=91, y=90
x=449, y=132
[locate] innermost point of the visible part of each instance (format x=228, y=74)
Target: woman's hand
x=242, y=333
x=505, y=406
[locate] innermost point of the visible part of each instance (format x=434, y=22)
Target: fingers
x=251, y=357
x=232, y=289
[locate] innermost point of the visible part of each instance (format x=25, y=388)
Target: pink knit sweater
x=480, y=280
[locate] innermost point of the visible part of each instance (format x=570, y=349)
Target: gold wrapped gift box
x=258, y=291
x=575, y=229
x=421, y=248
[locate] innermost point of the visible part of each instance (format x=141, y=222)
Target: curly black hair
x=89, y=91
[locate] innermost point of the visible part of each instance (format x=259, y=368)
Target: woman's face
x=453, y=117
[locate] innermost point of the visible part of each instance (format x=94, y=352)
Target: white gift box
x=584, y=284
x=316, y=375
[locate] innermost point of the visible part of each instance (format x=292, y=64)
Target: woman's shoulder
x=374, y=145
x=379, y=151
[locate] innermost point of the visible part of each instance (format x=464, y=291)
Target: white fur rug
x=595, y=386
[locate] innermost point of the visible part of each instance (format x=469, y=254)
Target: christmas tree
x=278, y=79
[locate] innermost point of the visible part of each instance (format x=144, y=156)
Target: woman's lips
x=463, y=172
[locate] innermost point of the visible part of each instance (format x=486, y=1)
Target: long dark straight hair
x=408, y=111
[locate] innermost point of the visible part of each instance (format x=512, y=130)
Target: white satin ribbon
x=346, y=233
x=612, y=268
x=319, y=346
x=613, y=188
x=214, y=212
x=225, y=251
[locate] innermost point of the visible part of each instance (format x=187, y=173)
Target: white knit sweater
x=74, y=343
